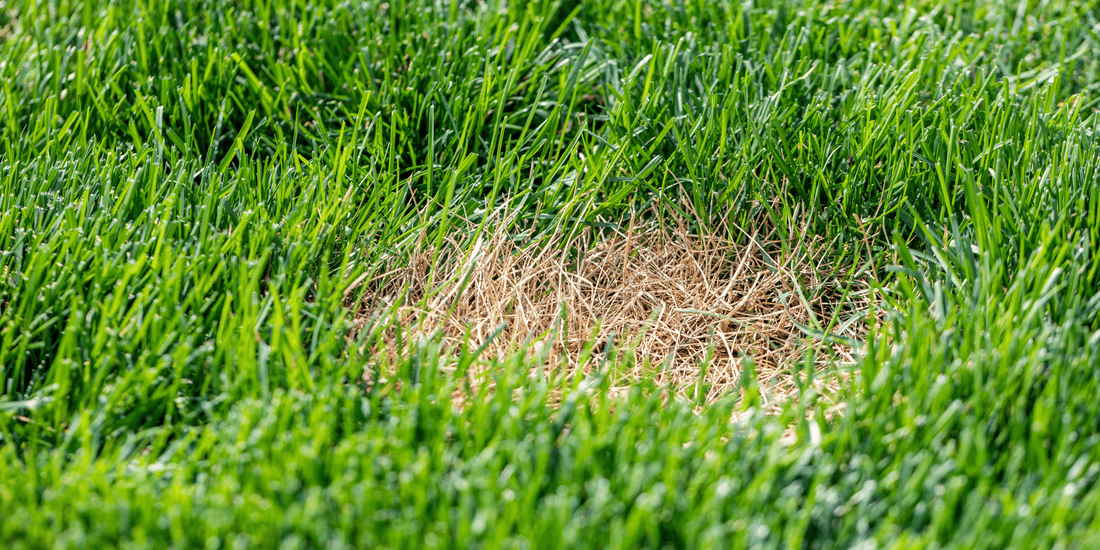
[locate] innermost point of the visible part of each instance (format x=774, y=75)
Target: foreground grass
x=190, y=192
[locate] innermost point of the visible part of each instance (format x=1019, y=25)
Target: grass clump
x=690, y=309
x=192, y=195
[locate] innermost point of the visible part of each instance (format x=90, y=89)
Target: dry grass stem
x=669, y=299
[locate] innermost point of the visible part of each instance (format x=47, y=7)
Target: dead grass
x=668, y=298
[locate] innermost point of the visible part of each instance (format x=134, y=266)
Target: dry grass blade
x=672, y=299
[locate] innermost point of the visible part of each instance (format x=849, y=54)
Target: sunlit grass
x=192, y=192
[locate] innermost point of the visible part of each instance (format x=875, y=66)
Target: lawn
x=550, y=274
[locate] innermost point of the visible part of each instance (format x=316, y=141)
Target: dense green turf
x=189, y=190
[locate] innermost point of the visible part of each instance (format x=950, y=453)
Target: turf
x=691, y=310
x=193, y=192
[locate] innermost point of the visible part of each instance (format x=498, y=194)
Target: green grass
x=189, y=190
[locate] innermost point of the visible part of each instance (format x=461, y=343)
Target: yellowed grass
x=670, y=298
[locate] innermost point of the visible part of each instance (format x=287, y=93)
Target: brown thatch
x=670, y=298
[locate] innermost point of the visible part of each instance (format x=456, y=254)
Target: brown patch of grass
x=671, y=300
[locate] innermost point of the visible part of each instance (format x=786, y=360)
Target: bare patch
x=674, y=302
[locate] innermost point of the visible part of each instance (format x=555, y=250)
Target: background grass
x=189, y=189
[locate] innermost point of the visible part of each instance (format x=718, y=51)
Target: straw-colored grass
x=678, y=302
